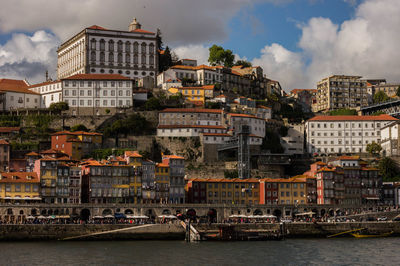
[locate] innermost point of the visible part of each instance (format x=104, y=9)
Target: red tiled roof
x=43, y=84
x=226, y=180
x=9, y=129
x=32, y=153
x=96, y=77
x=220, y=96
x=173, y=157
x=21, y=177
x=143, y=31
x=263, y=107
x=95, y=27
x=162, y=165
x=191, y=126
x=244, y=115
x=14, y=85
x=191, y=110
x=133, y=154
x=349, y=158
x=4, y=142
x=383, y=117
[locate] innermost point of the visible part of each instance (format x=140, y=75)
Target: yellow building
x=133, y=158
x=195, y=94
x=292, y=191
x=19, y=186
x=162, y=182
x=226, y=191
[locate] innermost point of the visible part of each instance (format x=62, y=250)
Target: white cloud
x=198, y=52
x=25, y=56
x=365, y=45
x=181, y=21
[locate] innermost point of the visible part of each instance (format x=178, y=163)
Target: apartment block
x=339, y=91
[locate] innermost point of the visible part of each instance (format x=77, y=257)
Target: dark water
x=383, y=251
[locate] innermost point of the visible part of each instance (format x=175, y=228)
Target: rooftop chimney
x=134, y=25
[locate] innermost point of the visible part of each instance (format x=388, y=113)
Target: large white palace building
x=344, y=133
x=96, y=50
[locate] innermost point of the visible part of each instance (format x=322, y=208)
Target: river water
x=348, y=251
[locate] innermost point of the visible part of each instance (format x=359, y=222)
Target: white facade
x=21, y=100
x=344, y=134
x=293, y=143
x=390, y=139
x=188, y=131
x=257, y=125
x=50, y=92
x=104, y=93
x=97, y=50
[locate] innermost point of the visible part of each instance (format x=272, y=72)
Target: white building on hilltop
x=390, y=135
x=14, y=94
x=50, y=92
x=344, y=133
x=96, y=50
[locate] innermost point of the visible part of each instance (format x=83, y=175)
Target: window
x=89, y=92
x=104, y=102
x=111, y=57
x=82, y=93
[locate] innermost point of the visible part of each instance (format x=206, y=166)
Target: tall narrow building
x=338, y=91
x=96, y=50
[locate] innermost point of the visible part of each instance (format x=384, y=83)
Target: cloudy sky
x=297, y=42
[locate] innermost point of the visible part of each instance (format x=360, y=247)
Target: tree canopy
x=374, y=148
x=388, y=169
x=59, y=107
x=79, y=127
x=219, y=56
x=243, y=63
x=380, y=97
x=343, y=112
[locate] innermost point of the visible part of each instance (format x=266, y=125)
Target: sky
x=297, y=42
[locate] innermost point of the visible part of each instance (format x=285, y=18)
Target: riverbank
x=34, y=232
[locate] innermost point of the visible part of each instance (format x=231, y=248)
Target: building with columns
x=97, y=50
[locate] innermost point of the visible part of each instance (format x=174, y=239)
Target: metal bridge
x=391, y=107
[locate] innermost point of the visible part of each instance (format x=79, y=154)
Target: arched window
x=119, y=46
x=143, y=51
x=111, y=45
x=93, y=56
x=102, y=45
x=143, y=59
x=151, y=48
x=127, y=47
x=151, y=60
x=111, y=57
x=102, y=57
x=93, y=44
x=119, y=58
x=135, y=59
x=127, y=58
x=135, y=47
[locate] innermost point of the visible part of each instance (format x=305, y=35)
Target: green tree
x=219, y=56
x=380, y=97
x=243, y=63
x=388, y=169
x=374, y=148
x=79, y=127
x=58, y=107
x=152, y=104
x=343, y=112
x=165, y=60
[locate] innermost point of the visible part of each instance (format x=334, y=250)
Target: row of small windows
x=346, y=125
x=339, y=142
x=97, y=83
x=120, y=72
x=111, y=103
x=105, y=93
x=120, y=45
x=20, y=99
x=340, y=150
x=339, y=134
x=120, y=60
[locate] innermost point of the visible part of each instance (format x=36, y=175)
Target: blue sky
x=279, y=24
